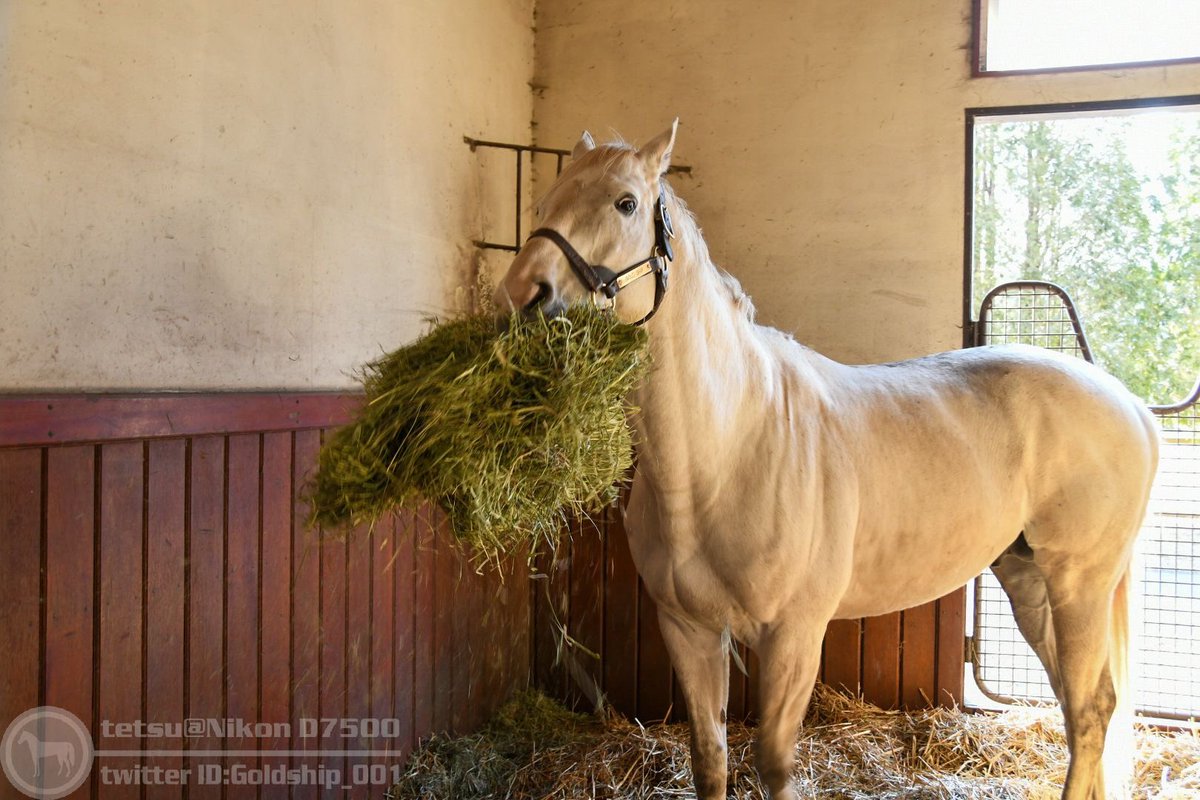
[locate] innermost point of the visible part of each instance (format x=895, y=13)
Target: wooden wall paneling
x=21, y=555
x=918, y=651
x=620, y=618
x=951, y=621
x=381, y=675
x=306, y=612
x=205, y=544
x=121, y=601
x=70, y=581
x=332, y=694
x=360, y=635
x=275, y=579
x=843, y=653
x=552, y=595
x=400, y=571
x=242, y=613
x=166, y=523
x=586, y=607
x=654, y=676
x=460, y=609
x=445, y=578
x=423, y=624
x=881, y=660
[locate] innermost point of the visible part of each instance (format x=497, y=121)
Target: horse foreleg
x=702, y=666
x=789, y=660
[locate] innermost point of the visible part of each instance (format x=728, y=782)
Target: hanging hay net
x=510, y=425
x=535, y=748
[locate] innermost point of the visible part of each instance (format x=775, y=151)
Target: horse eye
x=627, y=205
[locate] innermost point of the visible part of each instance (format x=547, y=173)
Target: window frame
x=979, y=55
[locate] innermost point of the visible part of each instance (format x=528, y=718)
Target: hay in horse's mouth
x=509, y=427
x=535, y=748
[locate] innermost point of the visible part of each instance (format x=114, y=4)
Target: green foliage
x=509, y=425
x=1064, y=201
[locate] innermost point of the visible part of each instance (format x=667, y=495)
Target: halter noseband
x=601, y=280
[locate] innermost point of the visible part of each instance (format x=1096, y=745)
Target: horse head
x=601, y=230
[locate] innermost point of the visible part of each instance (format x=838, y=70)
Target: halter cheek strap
x=601, y=280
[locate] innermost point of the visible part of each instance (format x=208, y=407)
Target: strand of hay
x=511, y=426
x=534, y=748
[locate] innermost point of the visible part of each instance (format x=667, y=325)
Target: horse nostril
x=544, y=292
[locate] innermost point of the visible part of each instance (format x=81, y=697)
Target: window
x=1020, y=35
x=1104, y=202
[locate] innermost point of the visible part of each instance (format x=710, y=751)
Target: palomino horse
x=777, y=489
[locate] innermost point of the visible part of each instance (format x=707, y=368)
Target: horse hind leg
x=1086, y=595
x=1025, y=585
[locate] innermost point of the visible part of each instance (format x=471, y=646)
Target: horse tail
x=1120, y=746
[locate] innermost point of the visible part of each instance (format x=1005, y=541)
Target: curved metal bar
x=1183, y=405
x=1046, y=286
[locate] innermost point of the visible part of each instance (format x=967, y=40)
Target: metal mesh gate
x=1167, y=635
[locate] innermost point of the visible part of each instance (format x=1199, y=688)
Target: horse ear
x=656, y=154
x=585, y=143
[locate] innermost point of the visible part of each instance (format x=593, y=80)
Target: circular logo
x=46, y=752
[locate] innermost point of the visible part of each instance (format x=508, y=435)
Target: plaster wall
x=826, y=138
x=216, y=194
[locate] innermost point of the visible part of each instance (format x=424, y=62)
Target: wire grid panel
x=1167, y=586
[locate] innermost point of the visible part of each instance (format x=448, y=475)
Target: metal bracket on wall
x=519, y=151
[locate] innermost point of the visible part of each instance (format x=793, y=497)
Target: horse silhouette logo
x=46, y=753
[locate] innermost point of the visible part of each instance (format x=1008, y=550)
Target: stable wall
x=213, y=194
x=826, y=139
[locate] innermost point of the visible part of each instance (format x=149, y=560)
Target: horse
x=62, y=752
x=777, y=489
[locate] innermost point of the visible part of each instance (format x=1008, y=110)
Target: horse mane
x=689, y=230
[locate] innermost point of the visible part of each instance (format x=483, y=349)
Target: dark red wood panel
x=275, y=582
x=951, y=634
x=400, y=569
x=620, y=618
x=587, y=613
x=206, y=600
x=423, y=624
x=381, y=673
x=360, y=627
x=67, y=418
x=332, y=693
x=121, y=588
x=445, y=586
x=306, y=613
x=654, y=677
x=70, y=587
x=918, y=656
x=243, y=500
x=881, y=660
x=21, y=556
x=843, y=654
x=165, y=610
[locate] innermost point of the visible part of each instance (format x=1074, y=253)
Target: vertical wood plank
x=381, y=552
x=70, y=587
x=275, y=578
x=918, y=663
x=306, y=610
x=332, y=696
x=445, y=580
x=241, y=588
x=423, y=624
x=20, y=591
x=881, y=660
x=736, y=709
x=951, y=633
x=843, y=653
x=587, y=611
x=459, y=610
x=206, y=598
x=401, y=570
x=359, y=645
x=654, y=680
x=165, y=604
x=121, y=598
x=620, y=620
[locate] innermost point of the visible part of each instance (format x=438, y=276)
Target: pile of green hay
x=509, y=425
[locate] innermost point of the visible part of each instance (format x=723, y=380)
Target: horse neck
x=705, y=361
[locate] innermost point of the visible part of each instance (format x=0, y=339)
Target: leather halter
x=600, y=280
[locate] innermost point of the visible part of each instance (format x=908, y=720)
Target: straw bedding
x=534, y=748
x=511, y=425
